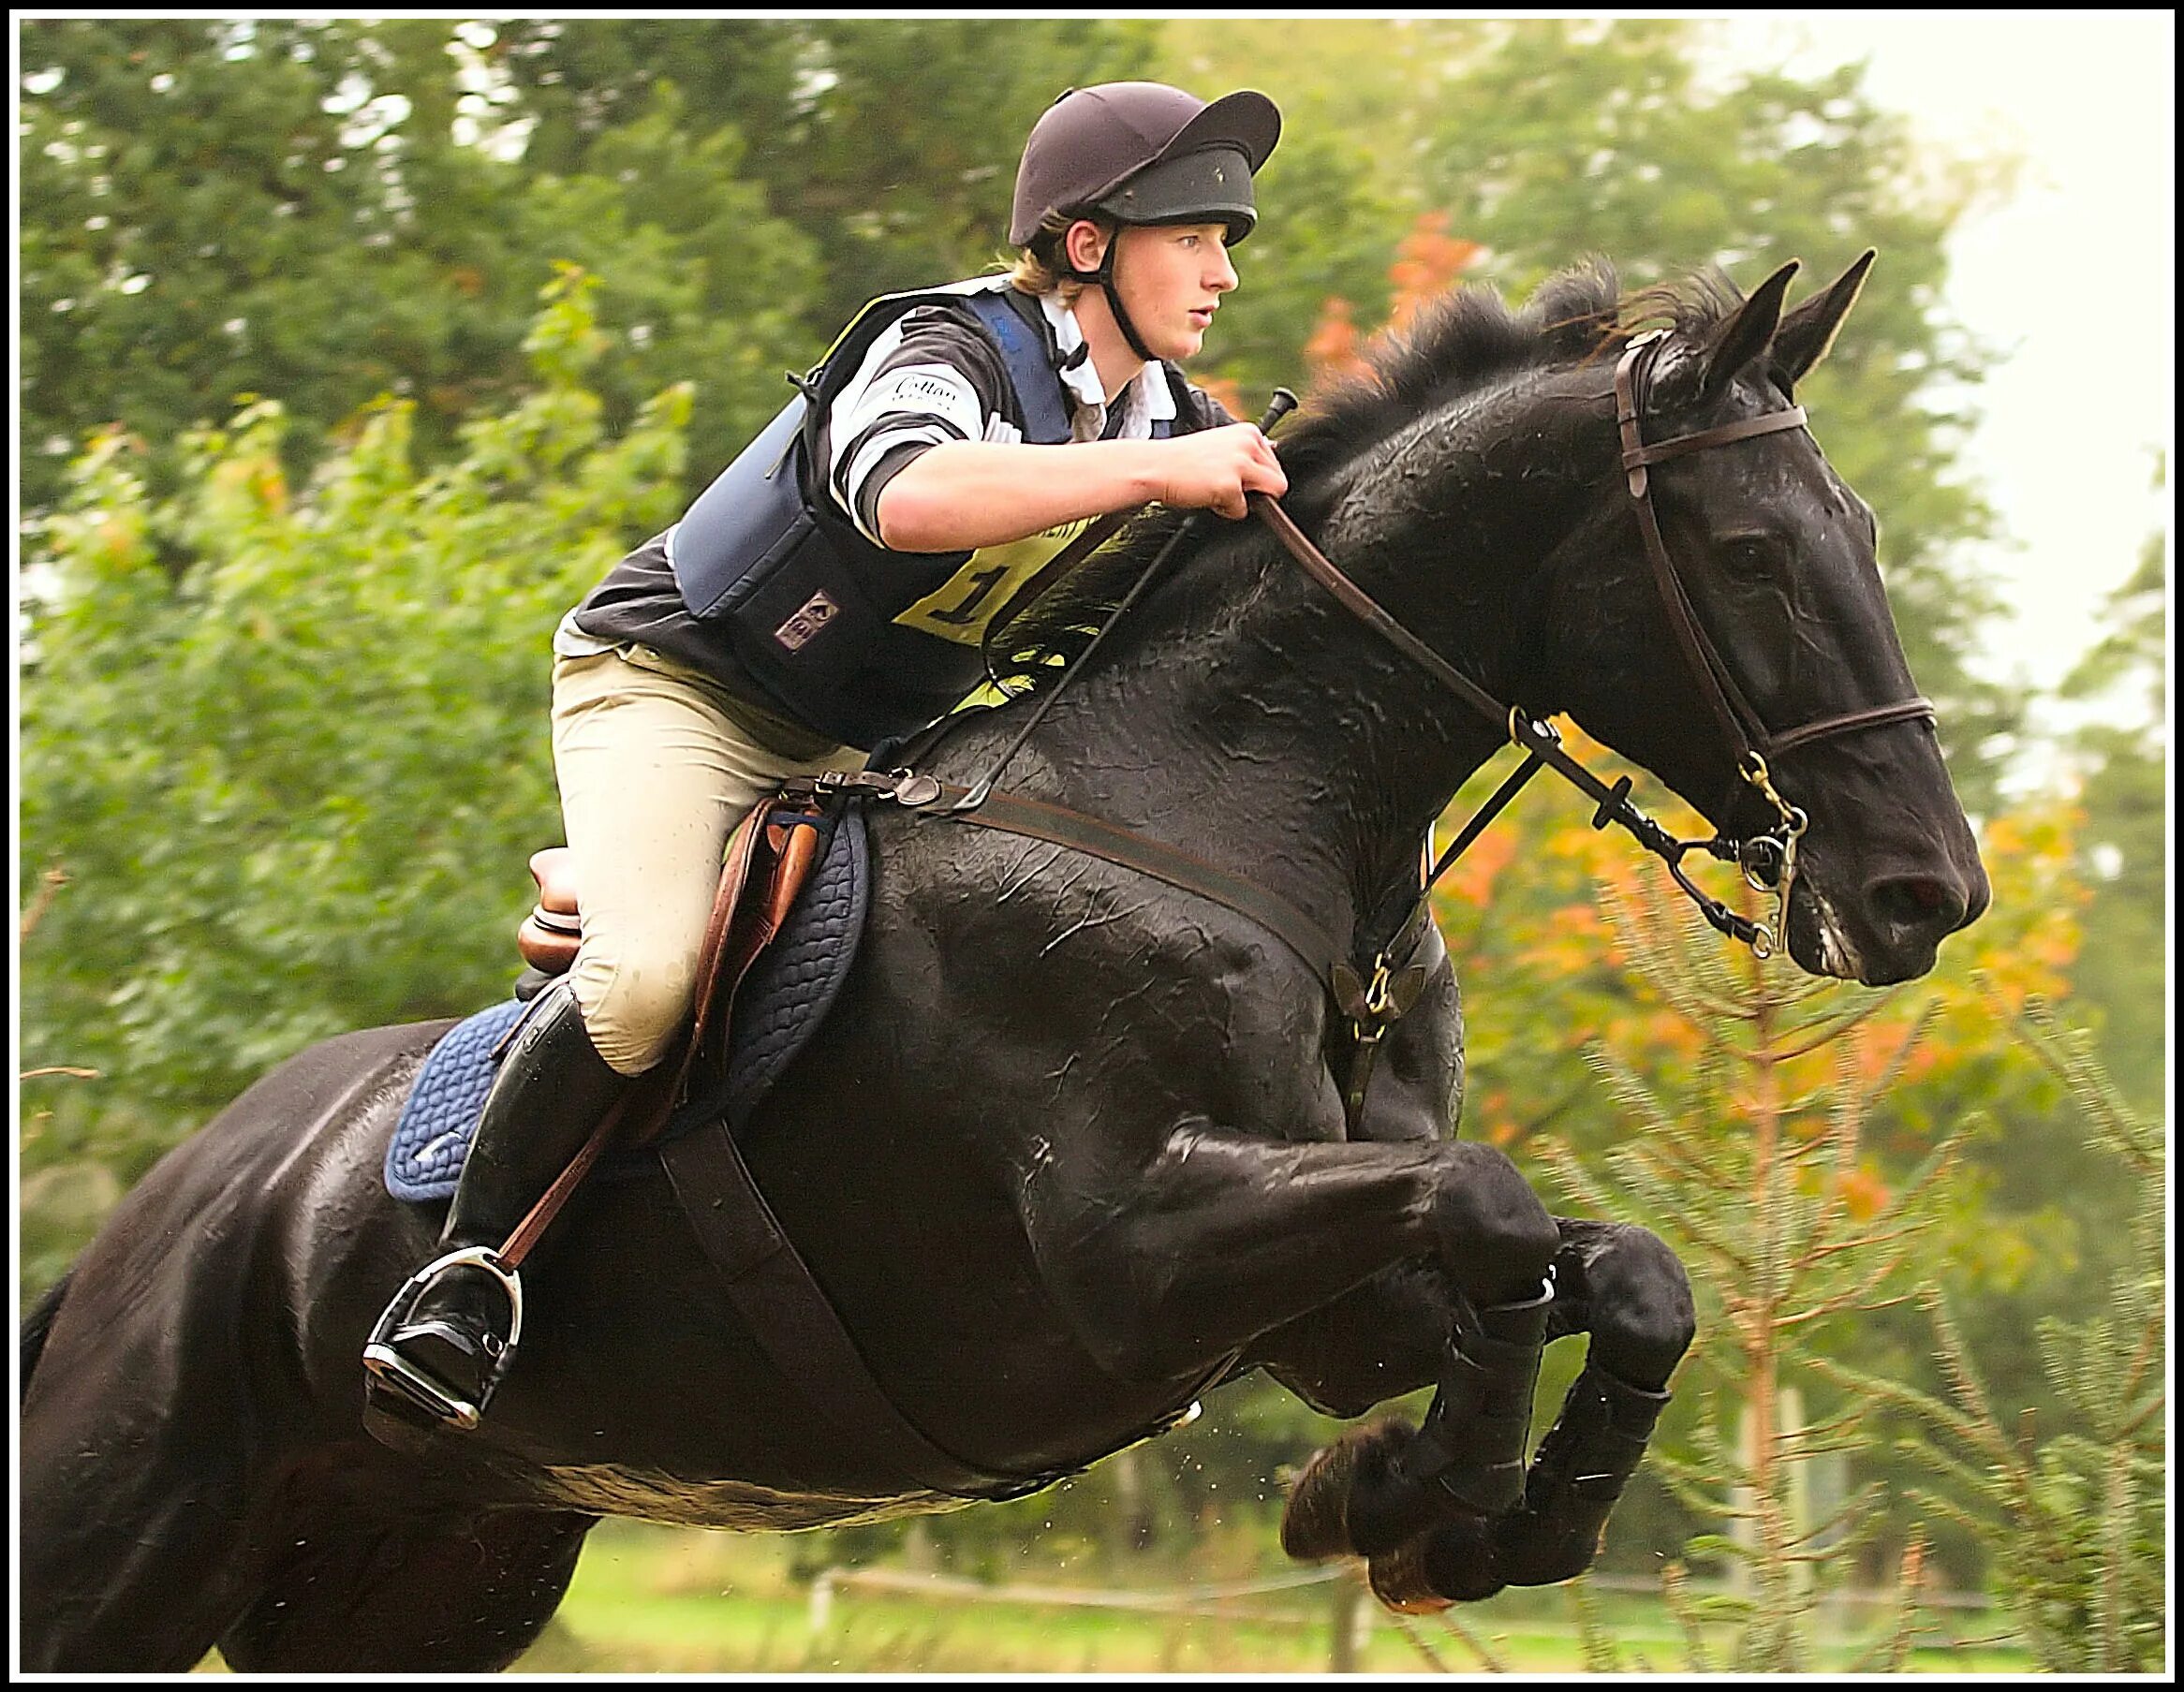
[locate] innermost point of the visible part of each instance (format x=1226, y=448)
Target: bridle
x=1742, y=725
x=1769, y=858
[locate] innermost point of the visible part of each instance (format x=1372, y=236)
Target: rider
x=790, y=622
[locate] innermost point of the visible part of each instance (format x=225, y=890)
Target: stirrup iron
x=388, y=1365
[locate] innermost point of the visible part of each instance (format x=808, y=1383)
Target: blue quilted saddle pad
x=779, y=1006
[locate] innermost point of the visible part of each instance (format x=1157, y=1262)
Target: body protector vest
x=853, y=640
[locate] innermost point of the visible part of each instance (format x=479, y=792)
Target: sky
x=2072, y=279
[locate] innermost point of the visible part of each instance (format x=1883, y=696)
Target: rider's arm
x=973, y=494
x=922, y=458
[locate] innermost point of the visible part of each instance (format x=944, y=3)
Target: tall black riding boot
x=447, y=1337
x=1469, y=1456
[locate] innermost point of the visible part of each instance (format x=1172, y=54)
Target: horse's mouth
x=1822, y=943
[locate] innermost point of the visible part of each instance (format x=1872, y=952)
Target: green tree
x=1755, y=1161
x=218, y=207
x=2124, y=753
x=288, y=747
x=1569, y=138
x=331, y=212
x=2070, y=1506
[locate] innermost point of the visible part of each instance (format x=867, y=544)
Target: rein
x=1769, y=860
x=1376, y=998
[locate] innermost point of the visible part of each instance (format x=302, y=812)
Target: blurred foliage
x=1749, y=1152
x=2122, y=760
x=285, y=745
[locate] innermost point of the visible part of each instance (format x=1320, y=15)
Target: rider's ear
x=1808, y=331
x=1085, y=243
x=1745, y=336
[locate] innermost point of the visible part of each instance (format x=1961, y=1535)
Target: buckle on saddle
x=906, y=788
x=388, y=1365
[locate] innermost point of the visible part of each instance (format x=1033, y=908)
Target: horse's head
x=1752, y=628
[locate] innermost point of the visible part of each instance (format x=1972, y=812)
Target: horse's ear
x=1808, y=331
x=1745, y=336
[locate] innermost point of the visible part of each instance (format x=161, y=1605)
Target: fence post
x=822, y=1600
x=1348, y=1624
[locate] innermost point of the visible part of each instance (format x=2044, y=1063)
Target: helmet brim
x=1212, y=185
x=1245, y=120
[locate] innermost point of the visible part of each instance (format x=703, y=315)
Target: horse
x=1072, y=1147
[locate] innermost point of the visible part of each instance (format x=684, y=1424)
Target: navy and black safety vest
x=850, y=639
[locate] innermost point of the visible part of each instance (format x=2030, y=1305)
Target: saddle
x=735, y=1044
x=769, y=858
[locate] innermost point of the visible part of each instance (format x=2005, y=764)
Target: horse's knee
x=1642, y=1317
x=1497, y=1237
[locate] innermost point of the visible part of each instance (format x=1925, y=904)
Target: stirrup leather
x=384, y=1364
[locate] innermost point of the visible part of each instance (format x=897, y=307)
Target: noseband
x=1769, y=860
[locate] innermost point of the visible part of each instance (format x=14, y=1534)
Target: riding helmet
x=1143, y=153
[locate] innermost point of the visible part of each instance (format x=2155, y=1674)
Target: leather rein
x=1375, y=998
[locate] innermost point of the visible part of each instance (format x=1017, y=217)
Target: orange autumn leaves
x=1546, y=920
x=1428, y=262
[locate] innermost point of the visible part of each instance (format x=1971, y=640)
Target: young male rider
x=830, y=590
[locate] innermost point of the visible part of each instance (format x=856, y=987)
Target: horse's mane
x=1460, y=342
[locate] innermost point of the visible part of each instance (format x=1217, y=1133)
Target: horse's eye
x=1747, y=557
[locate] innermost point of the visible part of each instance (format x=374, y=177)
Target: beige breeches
x=654, y=777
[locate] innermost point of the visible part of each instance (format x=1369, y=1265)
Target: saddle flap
x=769, y=855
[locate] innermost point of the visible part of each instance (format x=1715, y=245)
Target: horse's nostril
x=1919, y=902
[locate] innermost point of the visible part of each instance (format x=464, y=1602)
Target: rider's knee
x=634, y=1003
x=1496, y=1235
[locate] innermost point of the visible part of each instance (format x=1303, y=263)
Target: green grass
x=648, y=1600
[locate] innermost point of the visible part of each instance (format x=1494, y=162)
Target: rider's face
x=1172, y=277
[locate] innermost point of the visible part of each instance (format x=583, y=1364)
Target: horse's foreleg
x=1225, y=1236
x=1377, y=1342
x=1621, y=1285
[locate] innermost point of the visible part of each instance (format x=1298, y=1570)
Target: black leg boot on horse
x=446, y=1340
x=1586, y=1459
x=1387, y=1484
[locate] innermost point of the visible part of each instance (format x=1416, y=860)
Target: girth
x=771, y=1287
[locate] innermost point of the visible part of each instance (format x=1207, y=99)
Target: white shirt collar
x=1147, y=398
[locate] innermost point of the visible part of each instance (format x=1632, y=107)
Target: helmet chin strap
x=1103, y=279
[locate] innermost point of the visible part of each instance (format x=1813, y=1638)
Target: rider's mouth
x=1203, y=317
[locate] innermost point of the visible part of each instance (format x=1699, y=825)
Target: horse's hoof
x=1399, y=1579
x=1312, y=1523
x=1453, y=1563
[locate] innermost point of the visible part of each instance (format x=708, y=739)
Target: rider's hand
x=1214, y=468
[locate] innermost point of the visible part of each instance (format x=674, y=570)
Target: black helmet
x=1144, y=153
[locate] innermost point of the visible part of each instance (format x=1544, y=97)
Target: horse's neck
x=1265, y=725
x=1250, y=705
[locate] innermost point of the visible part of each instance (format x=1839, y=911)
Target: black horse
x=1069, y=1148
